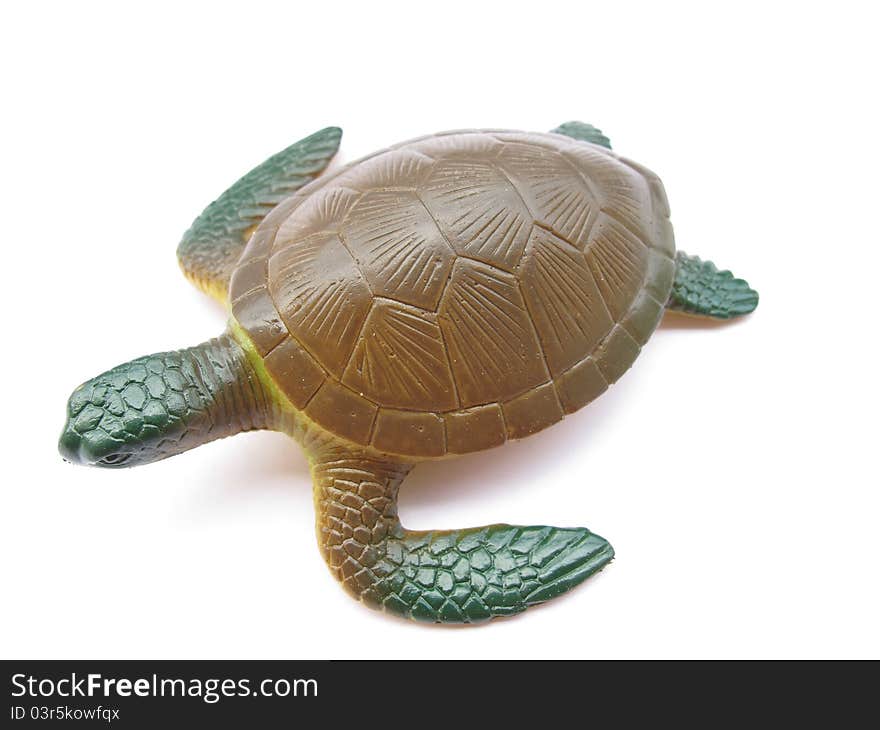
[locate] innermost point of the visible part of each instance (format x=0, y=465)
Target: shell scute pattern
x=394, y=240
x=492, y=343
x=559, y=197
x=322, y=296
x=405, y=170
x=617, y=259
x=459, y=290
x=400, y=361
x=479, y=211
x=568, y=309
x=319, y=212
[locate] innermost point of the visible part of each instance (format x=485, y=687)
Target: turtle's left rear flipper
x=701, y=289
x=213, y=244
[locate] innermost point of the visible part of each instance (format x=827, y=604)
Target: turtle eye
x=114, y=460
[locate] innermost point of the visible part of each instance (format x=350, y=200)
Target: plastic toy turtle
x=433, y=299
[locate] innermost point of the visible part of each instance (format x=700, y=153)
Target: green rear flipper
x=469, y=576
x=213, y=244
x=701, y=289
x=584, y=132
x=444, y=576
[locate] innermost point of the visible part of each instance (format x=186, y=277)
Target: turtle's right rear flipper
x=468, y=576
x=454, y=576
x=583, y=132
x=701, y=289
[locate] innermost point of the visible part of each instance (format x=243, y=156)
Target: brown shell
x=458, y=290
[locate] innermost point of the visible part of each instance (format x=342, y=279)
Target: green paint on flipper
x=701, y=289
x=213, y=244
x=584, y=132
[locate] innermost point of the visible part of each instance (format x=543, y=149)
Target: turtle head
x=160, y=405
x=129, y=415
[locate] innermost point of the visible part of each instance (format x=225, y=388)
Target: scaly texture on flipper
x=701, y=289
x=163, y=404
x=584, y=132
x=448, y=576
x=214, y=242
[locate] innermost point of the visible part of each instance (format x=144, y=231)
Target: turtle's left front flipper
x=702, y=290
x=213, y=244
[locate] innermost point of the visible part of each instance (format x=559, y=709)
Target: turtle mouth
x=76, y=450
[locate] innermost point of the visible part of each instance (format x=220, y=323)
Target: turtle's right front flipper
x=213, y=244
x=449, y=576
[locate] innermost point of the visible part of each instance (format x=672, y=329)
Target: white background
x=734, y=468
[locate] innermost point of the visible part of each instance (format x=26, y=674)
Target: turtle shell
x=458, y=290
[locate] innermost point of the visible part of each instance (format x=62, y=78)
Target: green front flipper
x=213, y=244
x=448, y=576
x=584, y=132
x=702, y=290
